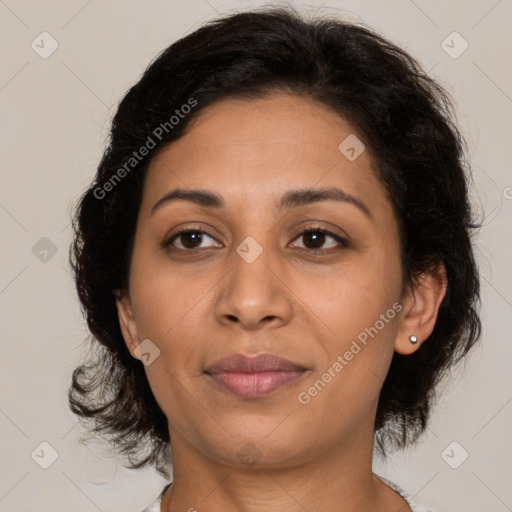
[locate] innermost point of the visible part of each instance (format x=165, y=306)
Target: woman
x=275, y=260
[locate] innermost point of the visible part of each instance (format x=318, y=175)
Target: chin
x=260, y=447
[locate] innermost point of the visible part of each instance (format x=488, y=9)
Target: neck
x=332, y=480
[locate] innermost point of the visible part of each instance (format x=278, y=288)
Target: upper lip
x=247, y=364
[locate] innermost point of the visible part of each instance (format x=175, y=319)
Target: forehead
x=253, y=149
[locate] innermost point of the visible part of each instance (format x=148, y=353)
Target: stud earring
x=413, y=339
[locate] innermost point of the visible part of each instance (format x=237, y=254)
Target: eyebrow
x=292, y=198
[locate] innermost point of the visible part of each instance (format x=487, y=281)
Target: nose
x=254, y=294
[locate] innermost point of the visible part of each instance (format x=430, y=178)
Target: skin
x=201, y=301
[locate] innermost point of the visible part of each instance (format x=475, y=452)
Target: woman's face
x=246, y=280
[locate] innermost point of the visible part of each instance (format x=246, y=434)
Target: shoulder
x=415, y=507
x=155, y=506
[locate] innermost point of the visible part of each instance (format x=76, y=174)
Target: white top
x=415, y=507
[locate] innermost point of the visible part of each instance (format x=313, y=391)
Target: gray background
x=55, y=115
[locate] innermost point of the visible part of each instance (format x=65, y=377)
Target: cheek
x=352, y=297
x=164, y=298
x=167, y=306
x=362, y=314
x=360, y=305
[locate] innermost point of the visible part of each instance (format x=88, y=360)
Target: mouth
x=253, y=377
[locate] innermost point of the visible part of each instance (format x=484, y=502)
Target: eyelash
x=343, y=243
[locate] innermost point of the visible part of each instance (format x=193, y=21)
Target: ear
x=127, y=321
x=420, y=308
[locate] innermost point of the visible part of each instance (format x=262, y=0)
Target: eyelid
x=318, y=226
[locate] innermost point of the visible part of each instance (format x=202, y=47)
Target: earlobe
x=127, y=321
x=421, y=308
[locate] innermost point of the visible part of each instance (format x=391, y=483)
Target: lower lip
x=254, y=385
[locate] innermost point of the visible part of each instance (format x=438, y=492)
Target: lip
x=253, y=377
x=255, y=364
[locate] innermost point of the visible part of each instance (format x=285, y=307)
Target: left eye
x=316, y=238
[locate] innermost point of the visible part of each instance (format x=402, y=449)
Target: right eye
x=189, y=239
